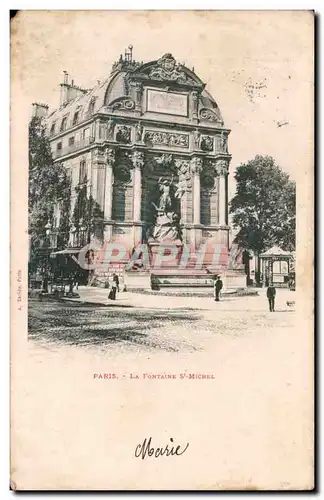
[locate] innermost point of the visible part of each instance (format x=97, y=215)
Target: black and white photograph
x=162, y=170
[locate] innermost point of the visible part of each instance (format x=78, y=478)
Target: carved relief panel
x=123, y=134
x=207, y=143
x=170, y=139
x=202, y=142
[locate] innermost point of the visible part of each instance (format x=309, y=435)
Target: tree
x=264, y=206
x=87, y=212
x=49, y=184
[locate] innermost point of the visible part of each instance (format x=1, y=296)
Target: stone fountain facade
x=151, y=146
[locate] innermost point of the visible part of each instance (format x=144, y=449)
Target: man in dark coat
x=218, y=285
x=116, y=280
x=271, y=294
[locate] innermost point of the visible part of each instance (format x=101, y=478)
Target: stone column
x=222, y=201
x=196, y=167
x=138, y=162
x=183, y=170
x=101, y=176
x=196, y=164
x=196, y=199
x=222, y=170
x=109, y=181
x=97, y=161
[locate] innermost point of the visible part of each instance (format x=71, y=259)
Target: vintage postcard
x=162, y=250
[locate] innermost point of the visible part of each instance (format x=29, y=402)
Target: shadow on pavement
x=83, y=325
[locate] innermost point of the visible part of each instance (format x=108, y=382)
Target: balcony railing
x=76, y=146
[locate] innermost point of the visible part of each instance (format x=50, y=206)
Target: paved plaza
x=138, y=322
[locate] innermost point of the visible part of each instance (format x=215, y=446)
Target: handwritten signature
x=146, y=449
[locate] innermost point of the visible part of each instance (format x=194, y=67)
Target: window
x=76, y=117
x=83, y=172
x=52, y=131
x=59, y=146
x=64, y=123
x=71, y=141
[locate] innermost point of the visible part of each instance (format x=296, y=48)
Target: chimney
x=69, y=91
x=64, y=89
x=40, y=110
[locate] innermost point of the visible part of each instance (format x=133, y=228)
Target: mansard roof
x=162, y=72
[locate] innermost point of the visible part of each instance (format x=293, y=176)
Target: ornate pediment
x=209, y=115
x=166, y=69
x=124, y=103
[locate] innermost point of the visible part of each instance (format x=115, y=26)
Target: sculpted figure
x=223, y=143
x=139, y=132
x=167, y=224
x=196, y=138
x=110, y=129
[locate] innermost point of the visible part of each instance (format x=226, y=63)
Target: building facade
x=146, y=129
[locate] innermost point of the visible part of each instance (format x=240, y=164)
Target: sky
x=258, y=66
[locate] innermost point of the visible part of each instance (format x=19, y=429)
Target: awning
x=66, y=251
x=275, y=252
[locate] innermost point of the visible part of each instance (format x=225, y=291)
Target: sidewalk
x=99, y=296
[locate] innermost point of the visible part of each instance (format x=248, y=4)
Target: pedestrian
x=112, y=293
x=218, y=285
x=116, y=280
x=271, y=294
